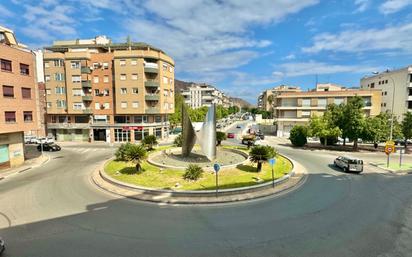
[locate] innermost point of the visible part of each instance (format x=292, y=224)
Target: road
x=55, y=210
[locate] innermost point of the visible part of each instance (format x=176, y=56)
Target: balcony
x=86, y=84
x=85, y=69
x=410, y=85
x=151, y=67
x=87, y=111
x=152, y=97
x=151, y=83
x=87, y=98
x=152, y=110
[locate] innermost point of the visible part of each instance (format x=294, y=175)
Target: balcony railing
x=85, y=69
x=87, y=111
x=151, y=83
x=87, y=98
x=86, y=84
x=152, y=110
x=151, y=67
x=152, y=97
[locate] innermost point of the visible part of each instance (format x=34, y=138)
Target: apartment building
x=266, y=98
x=396, y=87
x=199, y=95
x=18, y=93
x=103, y=91
x=295, y=108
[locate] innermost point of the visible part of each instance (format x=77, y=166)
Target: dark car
x=230, y=135
x=2, y=246
x=49, y=147
x=238, y=126
x=260, y=135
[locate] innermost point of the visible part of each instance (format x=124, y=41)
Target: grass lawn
x=154, y=177
x=395, y=166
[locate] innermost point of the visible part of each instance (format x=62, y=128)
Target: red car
x=230, y=135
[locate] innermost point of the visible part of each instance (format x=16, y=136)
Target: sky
x=240, y=46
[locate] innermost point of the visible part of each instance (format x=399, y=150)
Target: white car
x=45, y=140
x=30, y=139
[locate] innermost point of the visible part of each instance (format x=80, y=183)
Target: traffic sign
x=272, y=162
x=216, y=167
x=389, y=149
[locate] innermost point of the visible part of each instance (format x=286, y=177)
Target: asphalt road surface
x=56, y=211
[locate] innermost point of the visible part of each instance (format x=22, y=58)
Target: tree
x=261, y=153
x=336, y=118
x=149, y=141
x=354, y=120
x=220, y=136
x=376, y=128
x=323, y=127
x=407, y=127
x=298, y=135
x=135, y=153
x=175, y=118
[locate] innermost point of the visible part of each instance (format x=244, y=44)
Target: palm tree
x=149, y=141
x=135, y=154
x=260, y=154
x=220, y=136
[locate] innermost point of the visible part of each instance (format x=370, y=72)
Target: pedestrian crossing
x=85, y=150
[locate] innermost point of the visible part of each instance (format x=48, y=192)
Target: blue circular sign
x=272, y=162
x=216, y=167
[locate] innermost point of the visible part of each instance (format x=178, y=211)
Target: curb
x=23, y=169
x=393, y=172
x=105, y=182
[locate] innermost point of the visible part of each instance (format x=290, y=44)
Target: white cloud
x=361, y=5
x=4, y=12
x=289, y=57
x=296, y=69
x=393, y=6
x=386, y=39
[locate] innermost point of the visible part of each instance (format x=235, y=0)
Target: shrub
x=135, y=153
x=120, y=152
x=298, y=135
x=149, y=141
x=178, y=141
x=261, y=153
x=220, y=136
x=193, y=172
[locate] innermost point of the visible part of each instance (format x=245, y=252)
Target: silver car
x=2, y=246
x=349, y=164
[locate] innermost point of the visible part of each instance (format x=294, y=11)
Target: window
x=24, y=69
x=5, y=65
x=81, y=119
x=77, y=106
x=165, y=106
x=95, y=79
x=49, y=105
x=158, y=118
x=106, y=79
x=410, y=78
x=121, y=135
x=140, y=134
x=105, y=65
x=48, y=91
x=26, y=92
x=134, y=76
x=322, y=102
x=46, y=64
x=106, y=92
x=379, y=82
x=338, y=101
x=60, y=90
x=10, y=117
x=135, y=104
x=164, y=67
x=106, y=105
x=59, y=76
x=165, y=80
x=135, y=90
x=96, y=106
x=133, y=62
x=121, y=119
x=386, y=81
x=372, y=85
x=122, y=76
x=47, y=78
x=123, y=104
x=158, y=132
x=61, y=103
x=140, y=119
x=58, y=63
x=8, y=91
x=122, y=62
x=96, y=65
x=306, y=102
x=77, y=92
x=384, y=104
x=305, y=113
x=170, y=81
x=386, y=92
x=75, y=65
x=64, y=119
x=165, y=92
x=96, y=92
x=123, y=90
x=170, y=69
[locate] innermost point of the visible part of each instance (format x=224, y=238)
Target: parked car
x=402, y=142
x=30, y=139
x=230, y=135
x=238, y=127
x=260, y=135
x=2, y=245
x=349, y=164
x=49, y=147
x=45, y=140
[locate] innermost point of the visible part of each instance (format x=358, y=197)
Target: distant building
x=296, y=107
x=18, y=93
x=395, y=85
x=199, y=95
x=102, y=91
x=265, y=99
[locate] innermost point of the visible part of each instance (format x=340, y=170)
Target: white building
x=396, y=86
x=199, y=95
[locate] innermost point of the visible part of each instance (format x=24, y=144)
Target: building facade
x=266, y=98
x=102, y=91
x=295, y=108
x=199, y=95
x=396, y=87
x=18, y=93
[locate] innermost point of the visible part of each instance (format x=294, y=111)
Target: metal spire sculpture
x=188, y=133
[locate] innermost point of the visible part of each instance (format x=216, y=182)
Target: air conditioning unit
x=91, y=68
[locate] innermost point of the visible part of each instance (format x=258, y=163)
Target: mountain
x=240, y=102
x=181, y=85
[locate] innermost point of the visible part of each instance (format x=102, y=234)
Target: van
x=349, y=164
